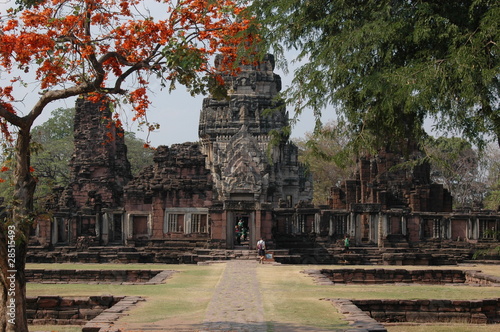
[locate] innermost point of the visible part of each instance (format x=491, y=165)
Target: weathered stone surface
x=373, y=276
x=427, y=311
x=245, y=168
x=67, y=310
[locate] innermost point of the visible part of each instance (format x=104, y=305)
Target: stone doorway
x=116, y=229
x=248, y=220
x=60, y=231
x=137, y=226
x=242, y=221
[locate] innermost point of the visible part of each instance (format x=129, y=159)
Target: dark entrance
x=116, y=229
x=62, y=230
x=242, y=230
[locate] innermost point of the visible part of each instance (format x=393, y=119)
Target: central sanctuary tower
x=248, y=154
x=253, y=164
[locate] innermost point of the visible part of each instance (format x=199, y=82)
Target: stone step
x=205, y=258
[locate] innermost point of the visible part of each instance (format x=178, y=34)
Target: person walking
x=261, y=247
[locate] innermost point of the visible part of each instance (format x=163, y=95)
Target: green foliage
x=6, y=162
x=326, y=154
x=59, y=126
x=492, y=200
x=51, y=150
x=138, y=155
x=22, y=4
x=478, y=254
x=387, y=65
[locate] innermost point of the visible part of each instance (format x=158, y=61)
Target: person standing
x=241, y=227
x=244, y=233
x=237, y=234
x=261, y=247
x=346, y=243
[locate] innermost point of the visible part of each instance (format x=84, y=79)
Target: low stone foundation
x=426, y=276
x=56, y=310
x=94, y=313
x=485, y=311
x=477, y=277
x=368, y=315
x=358, y=319
x=129, y=277
x=105, y=320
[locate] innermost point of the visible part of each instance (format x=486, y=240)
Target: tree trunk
x=14, y=234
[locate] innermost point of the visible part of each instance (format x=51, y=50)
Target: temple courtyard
x=243, y=295
x=173, y=247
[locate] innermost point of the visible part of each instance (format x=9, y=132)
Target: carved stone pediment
x=243, y=166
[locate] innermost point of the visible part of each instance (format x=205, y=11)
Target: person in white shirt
x=261, y=247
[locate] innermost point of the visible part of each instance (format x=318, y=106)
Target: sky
x=178, y=112
x=178, y=116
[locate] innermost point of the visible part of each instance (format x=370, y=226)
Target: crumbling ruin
x=244, y=168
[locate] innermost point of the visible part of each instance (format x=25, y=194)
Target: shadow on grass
x=229, y=326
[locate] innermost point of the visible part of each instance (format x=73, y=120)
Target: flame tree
x=102, y=49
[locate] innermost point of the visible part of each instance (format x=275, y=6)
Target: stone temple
x=185, y=206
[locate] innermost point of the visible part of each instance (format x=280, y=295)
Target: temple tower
x=90, y=207
x=249, y=155
x=254, y=166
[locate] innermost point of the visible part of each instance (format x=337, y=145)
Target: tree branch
x=11, y=117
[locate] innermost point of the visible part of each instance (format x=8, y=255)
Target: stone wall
x=178, y=179
x=58, y=310
x=477, y=277
x=427, y=311
x=381, y=276
x=89, y=276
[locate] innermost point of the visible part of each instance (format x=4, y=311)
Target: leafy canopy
x=322, y=151
x=388, y=65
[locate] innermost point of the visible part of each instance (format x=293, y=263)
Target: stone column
x=256, y=219
x=229, y=223
x=105, y=228
x=404, y=225
x=380, y=240
x=54, y=226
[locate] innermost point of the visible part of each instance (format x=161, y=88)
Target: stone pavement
x=236, y=304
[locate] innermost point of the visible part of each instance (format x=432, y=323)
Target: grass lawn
x=289, y=296
x=183, y=298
